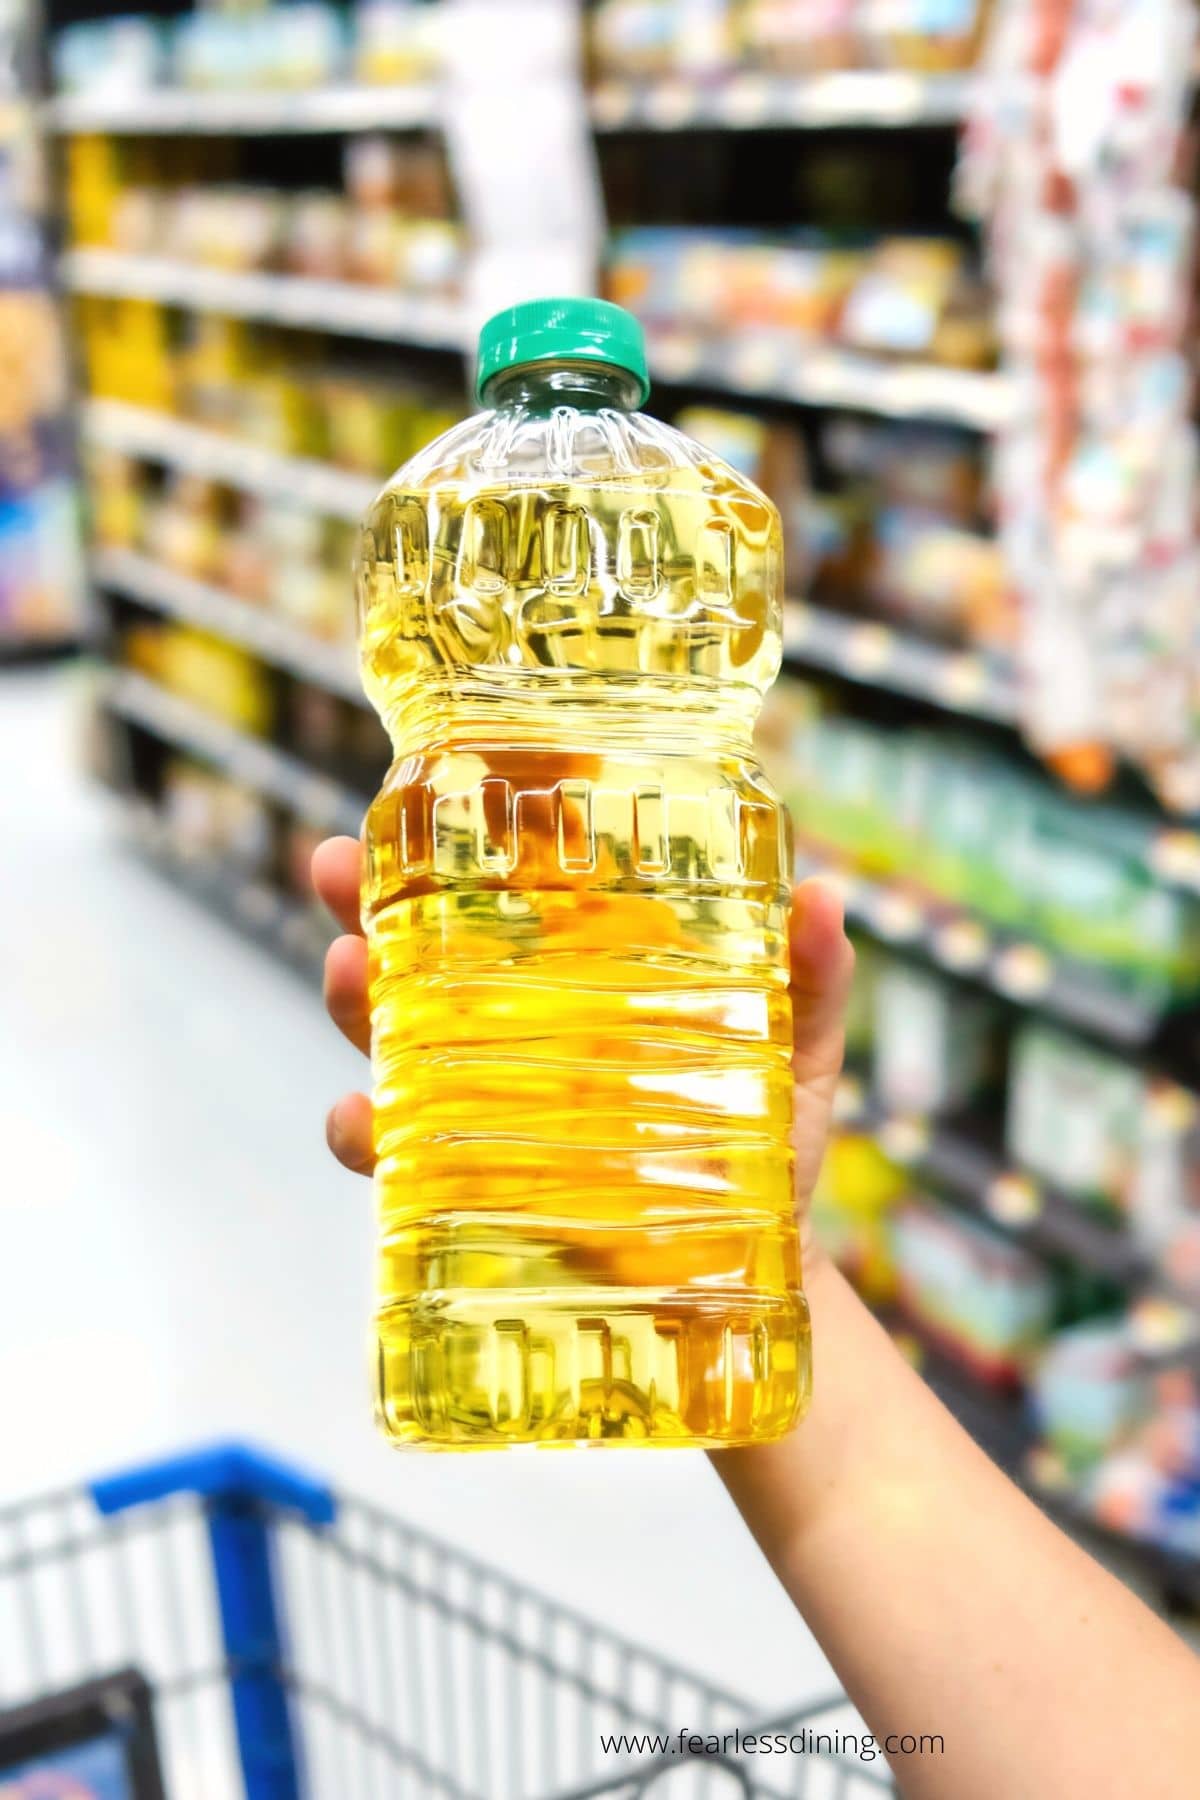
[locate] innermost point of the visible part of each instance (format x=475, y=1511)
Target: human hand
x=822, y=964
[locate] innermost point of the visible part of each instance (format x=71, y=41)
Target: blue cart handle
x=229, y=1471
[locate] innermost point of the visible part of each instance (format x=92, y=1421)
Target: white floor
x=180, y=1258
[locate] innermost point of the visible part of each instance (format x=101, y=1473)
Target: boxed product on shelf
x=984, y=1299
x=1074, y=1115
x=258, y=385
x=1112, y=1135
x=918, y=298
x=302, y=45
x=109, y=57
x=968, y=828
x=903, y=533
x=1087, y=1389
x=732, y=280
x=391, y=225
x=648, y=39
x=934, y=1048
x=911, y=297
x=395, y=41
x=654, y=39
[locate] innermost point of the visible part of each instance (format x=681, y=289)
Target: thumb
x=822, y=967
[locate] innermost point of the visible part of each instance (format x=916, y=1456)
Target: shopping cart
x=220, y=1624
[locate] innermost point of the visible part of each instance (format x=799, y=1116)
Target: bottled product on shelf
x=595, y=937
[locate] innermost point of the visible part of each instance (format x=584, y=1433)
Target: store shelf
x=210, y=608
x=1010, y=966
x=752, y=102
x=214, y=455
x=281, y=924
x=172, y=111
x=776, y=368
x=342, y=307
x=879, y=656
x=280, y=776
x=999, y=1424
x=982, y=1181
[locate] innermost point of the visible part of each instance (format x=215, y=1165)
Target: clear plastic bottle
x=576, y=905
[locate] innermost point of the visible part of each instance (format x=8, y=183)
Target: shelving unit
x=282, y=927
x=258, y=629
x=881, y=656
x=883, y=98
x=222, y=112
x=821, y=375
x=217, y=456
x=262, y=766
x=884, y=662
x=338, y=306
x=1012, y=967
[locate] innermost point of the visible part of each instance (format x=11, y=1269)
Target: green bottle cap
x=562, y=330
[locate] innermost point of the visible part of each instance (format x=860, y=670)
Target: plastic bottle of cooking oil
x=576, y=905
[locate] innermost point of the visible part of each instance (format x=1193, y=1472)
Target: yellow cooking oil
x=576, y=902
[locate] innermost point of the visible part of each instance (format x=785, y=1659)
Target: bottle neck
x=585, y=385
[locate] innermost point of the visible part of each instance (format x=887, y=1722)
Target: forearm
x=948, y=1603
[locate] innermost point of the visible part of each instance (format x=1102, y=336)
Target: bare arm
x=948, y=1604
x=944, y=1599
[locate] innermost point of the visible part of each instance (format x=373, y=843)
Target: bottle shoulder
x=606, y=448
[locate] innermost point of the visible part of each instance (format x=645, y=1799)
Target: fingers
x=822, y=970
x=337, y=876
x=349, y=1133
x=346, y=990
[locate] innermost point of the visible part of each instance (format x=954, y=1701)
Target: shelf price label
x=1024, y=972
x=1013, y=1199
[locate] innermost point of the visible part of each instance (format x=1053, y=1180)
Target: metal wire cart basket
x=221, y=1624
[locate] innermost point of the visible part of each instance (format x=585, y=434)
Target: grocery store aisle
x=179, y=1257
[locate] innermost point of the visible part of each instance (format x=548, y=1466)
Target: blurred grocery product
x=902, y=296
x=984, y=1300
x=933, y=1048
x=303, y=44
x=251, y=383
x=1075, y=1115
x=973, y=828
x=1079, y=158
x=1087, y=1389
x=652, y=39
x=392, y=224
